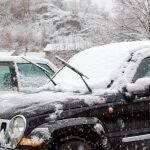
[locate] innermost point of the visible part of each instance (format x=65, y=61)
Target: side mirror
x=140, y=87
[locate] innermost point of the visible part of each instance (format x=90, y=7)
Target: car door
x=136, y=118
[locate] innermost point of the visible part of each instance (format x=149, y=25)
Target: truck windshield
x=32, y=76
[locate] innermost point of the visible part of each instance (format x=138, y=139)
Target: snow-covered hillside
x=34, y=24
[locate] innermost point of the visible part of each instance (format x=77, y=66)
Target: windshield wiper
x=42, y=68
x=76, y=71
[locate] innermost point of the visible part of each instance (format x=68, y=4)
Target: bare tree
x=20, y=9
x=6, y=37
x=58, y=3
x=132, y=20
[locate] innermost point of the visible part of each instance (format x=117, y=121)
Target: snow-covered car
x=100, y=100
x=18, y=74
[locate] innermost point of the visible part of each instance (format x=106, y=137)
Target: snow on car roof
x=18, y=59
x=100, y=63
x=6, y=52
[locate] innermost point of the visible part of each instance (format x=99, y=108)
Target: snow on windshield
x=100, y=64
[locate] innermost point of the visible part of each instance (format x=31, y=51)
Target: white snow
x=6, y=53
x=101, y=64
x=32, y=101
x=58, y=111
x=36, y=140
x=67, y=46
x=33, y=54
x=20, y=60
x=99, y=128
x=141, y=84
x=35, y=59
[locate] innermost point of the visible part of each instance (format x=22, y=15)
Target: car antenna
x=42, y=68
x=76, y=71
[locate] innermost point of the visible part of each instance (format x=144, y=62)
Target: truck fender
x=45, y=131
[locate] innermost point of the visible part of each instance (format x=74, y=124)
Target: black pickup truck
x=100, y=100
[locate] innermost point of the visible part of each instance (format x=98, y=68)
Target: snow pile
x=141, y=84
x=101, y=64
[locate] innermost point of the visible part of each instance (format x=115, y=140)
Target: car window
x=52, y=72
x=33, y=76
x=143, y=69
x=5, y=76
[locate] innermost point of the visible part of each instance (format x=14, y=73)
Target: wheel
x=74, y=145
x=76, y=138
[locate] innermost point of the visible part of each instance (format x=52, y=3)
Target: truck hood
x=43, y=102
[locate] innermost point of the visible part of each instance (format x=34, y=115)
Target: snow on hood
x=32, y=102
x=101, y=64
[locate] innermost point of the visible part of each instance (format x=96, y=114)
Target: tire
x=75, y=143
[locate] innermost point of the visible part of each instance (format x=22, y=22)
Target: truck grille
x=3, y=126
x=4, y=136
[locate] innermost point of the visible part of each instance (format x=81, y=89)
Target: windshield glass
x=32, y=76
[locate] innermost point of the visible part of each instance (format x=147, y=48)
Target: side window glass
x=143, y=69
x=5, y=76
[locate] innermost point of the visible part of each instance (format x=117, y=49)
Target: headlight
x=17, y=126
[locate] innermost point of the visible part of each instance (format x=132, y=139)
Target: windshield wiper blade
x=42, y=68
x=76, y=71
